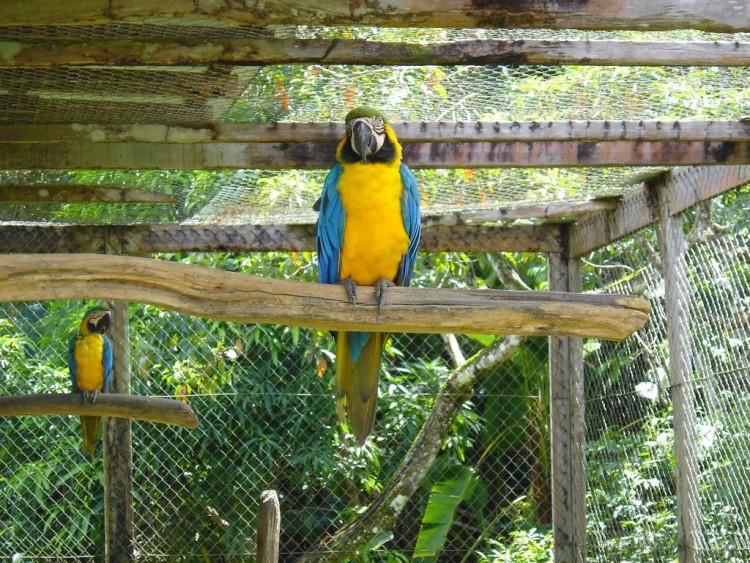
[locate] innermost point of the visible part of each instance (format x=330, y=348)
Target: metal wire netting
x=265, y=399
x=264, y=395
x=287, y=197
x=630, y=451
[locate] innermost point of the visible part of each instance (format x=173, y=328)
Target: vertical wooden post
x=567, y=430
x=118, y=455
x=269, y=528
x=676, y=296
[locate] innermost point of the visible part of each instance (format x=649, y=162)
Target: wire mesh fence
x=264, y=395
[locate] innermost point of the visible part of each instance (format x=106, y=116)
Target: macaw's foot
x=351, y=289
x=380, y=286
x=89, y=396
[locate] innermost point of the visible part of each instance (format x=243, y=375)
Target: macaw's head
x=368, y=138
x=97, y=319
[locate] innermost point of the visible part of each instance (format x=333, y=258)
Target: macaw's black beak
x=363, y=141
x=103, y=323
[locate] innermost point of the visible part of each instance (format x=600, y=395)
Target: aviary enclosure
x=165, y=157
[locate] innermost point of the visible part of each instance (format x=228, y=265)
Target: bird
x=90, y=360
x=367, y=233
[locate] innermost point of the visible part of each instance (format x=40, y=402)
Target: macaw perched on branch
x=367, y=234
x=90, y=364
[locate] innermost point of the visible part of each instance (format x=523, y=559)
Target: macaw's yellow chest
x=374, y=235
x=88, y=352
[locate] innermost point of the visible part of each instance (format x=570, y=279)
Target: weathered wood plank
x=206, y=292
x=684, y=188
x=150, y=409
x=498, y=131
x=117, y=438
x=78, y=193
x=677, y=297
x=538, y=211
x=309, y=155
x=252, y=51
x=567, y=426
x=103, y=83
x=719, y=15
x=269, y=528
x=149, y=239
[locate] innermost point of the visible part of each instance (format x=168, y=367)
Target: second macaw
x=367, y=234
x=90, y=363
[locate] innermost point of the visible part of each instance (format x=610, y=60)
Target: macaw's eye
x=378, y=124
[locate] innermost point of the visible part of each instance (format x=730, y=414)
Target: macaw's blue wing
x=330, y=228
x=72, y=363
x=412, y=223
x=107, y=360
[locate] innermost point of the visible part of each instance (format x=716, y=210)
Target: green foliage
x=523, y=546
x=438, y=516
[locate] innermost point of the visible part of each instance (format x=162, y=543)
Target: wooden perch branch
x=205, y=292
x=164, y=411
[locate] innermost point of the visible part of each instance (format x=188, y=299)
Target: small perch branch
x=205, y=292
x=164, y=411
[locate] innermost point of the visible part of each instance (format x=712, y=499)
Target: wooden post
x=118, y=454
x=269, y=527
x=567, y=426
x=676, y=296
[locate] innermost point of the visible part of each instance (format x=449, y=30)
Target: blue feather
x=412, y=224
x=107, y=359
x=330, y=228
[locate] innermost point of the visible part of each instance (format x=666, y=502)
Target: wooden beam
x=206, y=292
x=569, y=210
x=269, y=528
x=150, y=409
x=677, y=297
x=252, y=51
x=497, y=131
x=78, y=193
x=148, y=239
x=567, y=426
x=684, y=187
x=719, y=15
x=117, y=439
x=310, y=155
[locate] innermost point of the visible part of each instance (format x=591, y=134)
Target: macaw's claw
x=380, y=286
x=351, y=289
x=89, y=396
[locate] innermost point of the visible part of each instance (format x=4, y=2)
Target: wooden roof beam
x=251, y=51
x=717, y=15
x=79, y=193
x=638, y=208
x=311, y=155
x=491, y=131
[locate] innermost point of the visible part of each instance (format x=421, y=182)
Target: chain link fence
x=264, y=396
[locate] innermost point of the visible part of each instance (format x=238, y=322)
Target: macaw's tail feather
x=357, y=372
x=90, y=431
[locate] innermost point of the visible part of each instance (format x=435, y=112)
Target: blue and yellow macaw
x=90, y=363
x=367, y=234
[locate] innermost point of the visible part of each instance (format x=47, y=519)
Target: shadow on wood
x=205, y=292
x=163, y=411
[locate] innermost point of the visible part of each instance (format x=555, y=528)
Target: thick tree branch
x=205, y=292
x=164, y=411
x=382, y=514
